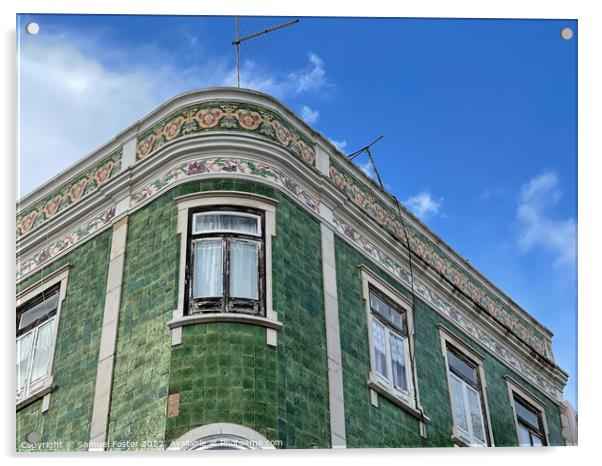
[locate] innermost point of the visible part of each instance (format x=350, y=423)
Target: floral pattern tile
x=429, y=252
x=226, y=116
x=30, y=264
x=68, y=194
x=438, y=303
x=223, y=166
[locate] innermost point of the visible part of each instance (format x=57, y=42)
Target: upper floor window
x=466, y=398
x=226, y=261
x=530, y=427
x=390, y=347
x=36, y=324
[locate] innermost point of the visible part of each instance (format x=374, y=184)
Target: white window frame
x=44, y=384
x=515, y=388
x=403, y=305
x=234, y=199
x=257, y=218
x=459, y=437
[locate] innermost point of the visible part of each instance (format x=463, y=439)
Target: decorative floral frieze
x=223, y=166
x=430, y=253
x=68, y=194
x=226, y=116
x=31, y=263
x=439, y=304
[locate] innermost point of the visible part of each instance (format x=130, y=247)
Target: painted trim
x=447, y=337
x=224, y=317
x=234, y=199
x=194, y=437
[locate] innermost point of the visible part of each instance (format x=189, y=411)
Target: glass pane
x=537, y=442
x=378, y=342
x=476, y=414
x=523, y=436
x=23, y=352
x=207, y=273
x=398, y=362
x=461, y=367
x=457, y=397
x=528, y=415
x=388, y=312
x=41, y=355
x=226, y=222
x=47, y=305
x=243, y=270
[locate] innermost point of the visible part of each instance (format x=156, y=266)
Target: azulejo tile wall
x=36, y=260
x=443, y=307
x=69, y=193
x=200, y=166
x=430, y=253
x=226, y=116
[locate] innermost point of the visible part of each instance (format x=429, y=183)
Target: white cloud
x=424, y=205
x=308, y=115
x=71, y=102
x=340, y=145
x=368, y=169
x=537, y=228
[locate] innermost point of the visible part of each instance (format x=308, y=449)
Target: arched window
x=222, y=436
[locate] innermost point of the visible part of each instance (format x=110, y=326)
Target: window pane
x=243, y=270
x=537, y=442
x=47, y=305
x=476, y=414
x=378, y=342
x=398, y=362
x=207, y=275
x=388, y=312
x=528, y=415
x=41, y=355
x=461, y=367
x=225, y=222
x=457, y=397
x=523, y=436
x=23, y=352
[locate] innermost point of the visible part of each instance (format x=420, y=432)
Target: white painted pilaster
x=333, y=343
x=322, y=161
x=108, y=338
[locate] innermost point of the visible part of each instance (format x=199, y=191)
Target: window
x=226, y=261
x=529, y=424
x=36, y=323
x=389, y=340
x=466, y=398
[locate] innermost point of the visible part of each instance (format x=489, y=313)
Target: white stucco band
x=235, y=199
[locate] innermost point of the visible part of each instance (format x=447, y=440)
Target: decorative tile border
x=430, y=253
x=68, y=194
x=452, y=314
x=225, y=116
x=31, y=263
x=223, y=165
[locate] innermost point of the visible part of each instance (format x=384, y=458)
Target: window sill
x=40, y=393
x=396, y=400
x=224, y=317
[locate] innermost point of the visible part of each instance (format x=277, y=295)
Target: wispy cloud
x=368, y=169
x=424, y=205
x=340, y=145
x=77, y=94
x=537, y=228
x=492, y=192
x=308, y=115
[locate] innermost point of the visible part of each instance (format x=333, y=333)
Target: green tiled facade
x=76, y=353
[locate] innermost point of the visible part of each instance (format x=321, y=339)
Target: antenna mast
x=238, y=40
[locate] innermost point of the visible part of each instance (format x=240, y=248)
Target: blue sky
x=479, y=119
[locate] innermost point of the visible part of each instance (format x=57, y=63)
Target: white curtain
x=378, y=341
x=207, y=281
x=476, y=414
x=23, y=352
x=398, y=362
x=225, y=222
x=243, y=270
x=41, y=355
x=457, y=396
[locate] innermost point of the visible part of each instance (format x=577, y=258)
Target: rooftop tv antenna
x=238, y=40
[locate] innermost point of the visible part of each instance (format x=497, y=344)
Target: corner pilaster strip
x=108, y=339
x=333, y=342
